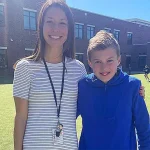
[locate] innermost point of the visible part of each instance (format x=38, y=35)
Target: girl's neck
x=53, y=55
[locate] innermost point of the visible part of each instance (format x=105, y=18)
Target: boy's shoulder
x=133, y=83
x=134, y=80
x=86, y=78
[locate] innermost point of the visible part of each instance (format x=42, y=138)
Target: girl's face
x=55, y=28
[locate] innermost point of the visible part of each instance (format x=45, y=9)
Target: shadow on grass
x=6, y=80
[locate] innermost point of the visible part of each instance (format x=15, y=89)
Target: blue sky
x=122, y=9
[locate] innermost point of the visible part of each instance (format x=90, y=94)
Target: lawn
x=7, y=113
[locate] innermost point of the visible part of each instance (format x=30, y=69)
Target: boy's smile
x=104, y=63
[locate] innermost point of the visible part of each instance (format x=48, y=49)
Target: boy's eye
x=63, y=23
x=110, y=61
x=96, y=62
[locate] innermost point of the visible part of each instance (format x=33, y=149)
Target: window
x=116, y=34
x=128, y=60
x=29, y=20
x=108, y=30
x=79, y=31
x=3, y=63
x=129, y=38
x=142, y=61
x=79, y=56
x=2, y=15
x=90, y=31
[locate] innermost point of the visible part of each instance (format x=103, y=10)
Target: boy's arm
x=142, y=122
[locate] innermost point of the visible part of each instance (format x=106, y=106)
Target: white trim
x=2, y=4
x=84, y=11
x=79, y=23
x=140, y=22
x=29, y=49
x=3, y=47
x=138, y=44
x=116, y=30
x=142, y=55
x=128, y=55
x=130, y=32
x=90, y=25
x=107, y=28
x=33, y=10
x=80, y=53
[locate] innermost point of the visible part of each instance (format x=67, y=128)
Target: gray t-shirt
x=31, y=83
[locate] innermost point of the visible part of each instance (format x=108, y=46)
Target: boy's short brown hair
x=101, y=41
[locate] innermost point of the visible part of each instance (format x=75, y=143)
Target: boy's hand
x=142, y=91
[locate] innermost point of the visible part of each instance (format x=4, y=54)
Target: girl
x=46, y=85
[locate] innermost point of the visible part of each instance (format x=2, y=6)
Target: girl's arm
x=142, y=91
x=20, y=122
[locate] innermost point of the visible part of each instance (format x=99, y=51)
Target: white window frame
x=77, y=23
x=108, y=29
x=31, y=10
x=88, y=25
x=29, y=49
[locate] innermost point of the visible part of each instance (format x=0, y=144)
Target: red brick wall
x=14, y=29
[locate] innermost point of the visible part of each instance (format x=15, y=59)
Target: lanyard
x=62, y=85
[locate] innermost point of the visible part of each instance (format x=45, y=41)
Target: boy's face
x=104, y=63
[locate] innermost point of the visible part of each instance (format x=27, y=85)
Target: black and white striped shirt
x=31, y=83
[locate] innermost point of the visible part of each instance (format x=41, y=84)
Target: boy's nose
x=104, y=67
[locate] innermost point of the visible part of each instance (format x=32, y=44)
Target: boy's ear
x=89, y=62
x=119, y=60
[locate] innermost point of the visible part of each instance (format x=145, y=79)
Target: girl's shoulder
x=75, y=63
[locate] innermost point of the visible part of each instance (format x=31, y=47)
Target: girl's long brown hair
x=68, y=47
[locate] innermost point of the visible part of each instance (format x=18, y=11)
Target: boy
x=109, y=102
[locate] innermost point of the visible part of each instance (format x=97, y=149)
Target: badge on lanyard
x=58, y=134
x=58, y=131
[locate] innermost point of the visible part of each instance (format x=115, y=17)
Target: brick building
x=18, y=34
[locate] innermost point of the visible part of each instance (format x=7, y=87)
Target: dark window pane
x=26, y=22
x=26, y=13
x=129, y=38
x=142, y=61
x=32, y=23
x=107, y=30
x=76, y=33
x=3, y=59
x=2, y=18
x=29, y=20
x=90, y=32
x=32, y=14
x=116, y=35
x=128, y=61
x=79, y=31
x=80, y=34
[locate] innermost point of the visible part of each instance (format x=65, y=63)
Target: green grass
x=7, y=113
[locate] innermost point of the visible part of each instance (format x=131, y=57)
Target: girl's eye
x=49, y=21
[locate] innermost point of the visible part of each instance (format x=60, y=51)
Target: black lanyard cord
x=62, y=85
